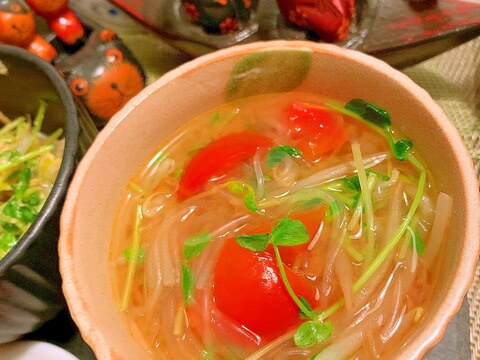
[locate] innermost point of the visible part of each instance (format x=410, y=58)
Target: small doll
x=17, y=27
x=103, y=74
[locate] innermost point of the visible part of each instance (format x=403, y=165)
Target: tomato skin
x=218, y=158
x=248, y=288
x=318, y=130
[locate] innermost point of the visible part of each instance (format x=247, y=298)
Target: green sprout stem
x=132, y=264
x=26, y=157
x=38, y=120
x=292, y=294
x=12, y=125
x=392, y=242
x=366, y=200
x=54, y=136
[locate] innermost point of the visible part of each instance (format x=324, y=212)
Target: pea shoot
x=381, y=119
x=29, y=162
x=277, y=154
x=191, y=248
x=241, y=188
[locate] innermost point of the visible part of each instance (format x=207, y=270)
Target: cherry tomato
x=318, y=130
x=218, y=158
x=248, y=288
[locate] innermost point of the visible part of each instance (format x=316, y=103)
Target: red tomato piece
x=248, y=288
x=318, y=130
x=218, y=158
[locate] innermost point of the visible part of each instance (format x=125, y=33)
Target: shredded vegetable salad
x=29, y=163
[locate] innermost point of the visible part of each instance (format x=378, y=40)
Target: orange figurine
x=17, y=27
x=61, y=20
x=103, y=74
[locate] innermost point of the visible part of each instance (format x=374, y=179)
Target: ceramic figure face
x=103, y=74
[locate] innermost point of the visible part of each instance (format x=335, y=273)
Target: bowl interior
x=24, y=86
x=207, y=82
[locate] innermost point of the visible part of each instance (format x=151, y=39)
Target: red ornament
x=330, y=19
x=192, y=10
x=17, y=27
x=61, y=20
x=229, y=25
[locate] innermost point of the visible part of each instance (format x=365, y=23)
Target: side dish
x=29, y=163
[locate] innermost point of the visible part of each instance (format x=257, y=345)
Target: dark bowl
x=30, y=286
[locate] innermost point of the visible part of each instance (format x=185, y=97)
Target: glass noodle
x=324, y=204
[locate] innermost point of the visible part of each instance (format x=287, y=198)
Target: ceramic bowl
x=211, y=80
x=30, y=289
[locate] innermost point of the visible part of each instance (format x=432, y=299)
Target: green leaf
x=272, y=70
x=27, y=215
x=369, y=112
x=351, y=183
x=290, y=232
x=23, y=183
x=334, y=208
x=23, y=213
x=33, y=199
x=239, y=188
x=307, y=305
x=10, y=154
x=7, y=241
x=187, y=284
x=10, y=227
x=195, y=244
x=417, y=243
x=311, y=333
x=127, y=255
x=402, y=148
x=249, y=200
x=255, y=242
x=356, y=199
x=276, y=155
